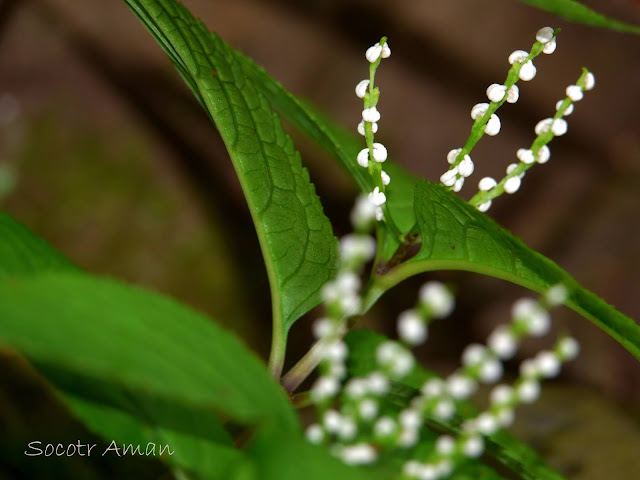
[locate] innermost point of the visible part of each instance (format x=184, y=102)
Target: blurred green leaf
x=505, y=448
x=577, y=12
x=295, y=235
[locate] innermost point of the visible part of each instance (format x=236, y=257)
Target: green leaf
x=21, y=252
x=136, y=351
x=455, y=236
x=577, y=12
x=505, y=448
x=295, y=236
x=342, y=144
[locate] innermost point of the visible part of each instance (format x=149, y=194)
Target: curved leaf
x=455, y=236
x=576, y=12
x=295, y=236
x=505, y=448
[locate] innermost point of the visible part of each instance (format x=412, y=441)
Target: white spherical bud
x=348, y=429
x=525, y=155
x=478, y=111
x=361, y=88
x=437, y=298
x=445, y=445
x=544, y=35
x=377, y=197
x=501, y=395
x=483, y=207
x=548, y=364
x=368, y=409
x=513, y=94
x=363, y=212
x=503, y=343
x=412, y=468
x=444, y=410
x=377, y=383
x=449, y=177
x=433, y=388
x=492, y=128
x=347, y=282
x=411, y=328
x=373, y=53
x=505, y=417
x=512, y=185
x=486, y=184
x=460, y=386
x=386, y=179
x=410, y=419
x=559, y=127
x=408, y=437
x=465, y=167
x=568, y=348
x=370, y=115
x=529, y=368
x=386, y=352
x=557, y=295
x=363, y=158
x=336, y=351
x=379, y=214
x=357, y=247
x=325, y=387
x=589, y=81
x=323, y=327
x=314, y=433
x=362, y=131
x=473, y=447
x=511, y=167
x=527, y=71
x=490, y=371
x=359, y=454
x=574, y=92
x=402, y=364
x=444, y=468
x=384, y=427
x=496, y=92
x=568, y=111
x=544, y=154
x=528, y=391
x=332, y=421
x=474, y=354
x=518, y=56
x=386, y=51
x=486, y=423
x=458, y=185
x=355, y=388
x=549, y=47
x=543, y=126
x=452, y=155
x=379, y=152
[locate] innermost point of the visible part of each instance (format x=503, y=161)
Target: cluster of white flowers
x=375, y=153
x=485, y=119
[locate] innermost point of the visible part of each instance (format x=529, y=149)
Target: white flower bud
x=544, y=35
x=569, y=348
x=371, y=115
x=386, y=179
x=433, y=388
x=483, y=207
x=361, y=88
x=323, y=327
x=513, y=94
x=324, y=388
x=486, y=423
x=410, y=419
x=529, y=391
x=377, y=383
x=332, y=421
x=496, y=92
x=465, y=167
x=363, y=158
x=449, y=177
x=549, y=47
x=408, y=438
x=544, y=154
x=486, y=184
x=379, y=214
x=548, y=364
x=505, y=417
x=368, y=409
x=411, y=328
x=359, y=454
x=474, y=354
x=379, y=152
x=557, y=295
x=458, y=185
x=518, y=56
x=525, y=155
x=348, y=281
x=492, y=127
x=473, y=447
x=314, y=433
x=512, y=185
x=543, y=126
x=574, y=92
x=559, y=127
x=363, y=212
x=502, y=342
x=589, y=81
x=438, y=298
x=373, y=53
x=452, y=155
x=529, y=368
x=460, y=386
x=501, y=395
x=527, y=71
x=412, y=468
x=386, y=51
x=491, y=371
x=336, y=351
x=357, y=247
x=444, y=410
x=478, y=111
x=384, y=427
x=356, y=388
x=377, y=197
x=361, y=130
x=348, y=429
x=568, y=111
x=445, y=445
x=402, y=364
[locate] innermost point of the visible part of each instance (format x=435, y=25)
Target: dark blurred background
x=116, y=165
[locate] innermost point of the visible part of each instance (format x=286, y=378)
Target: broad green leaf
x=295, y=235
x=455, y=236
x=110, y=343
x=21, y=252
x=577, y=12
x=505, y=448
x=343, y=145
